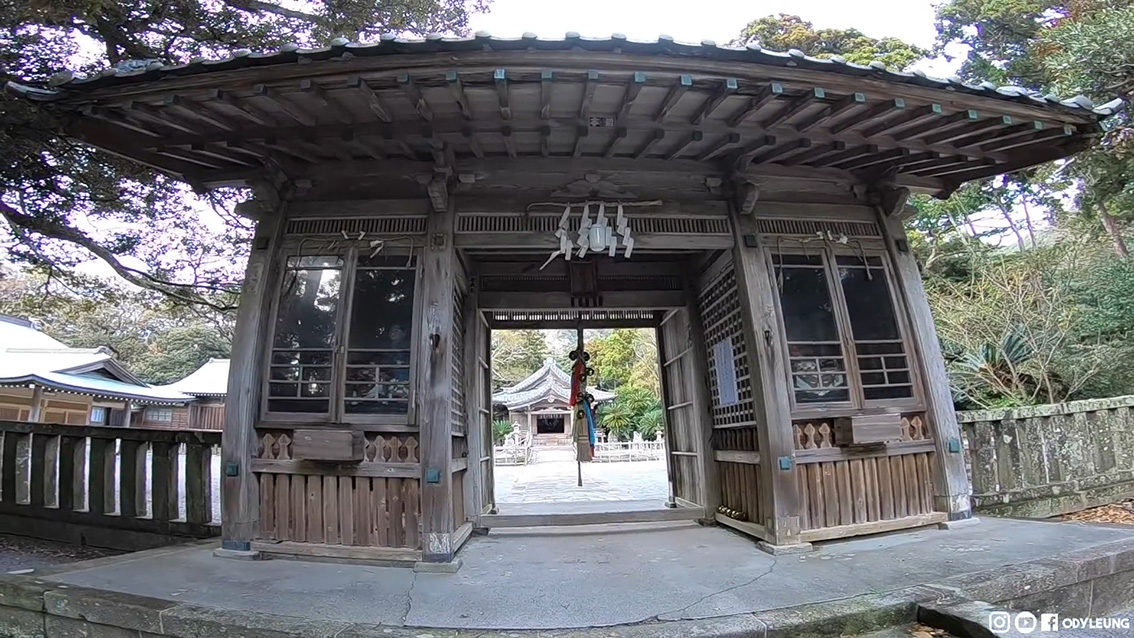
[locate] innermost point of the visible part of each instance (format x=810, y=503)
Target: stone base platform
x=644, y=580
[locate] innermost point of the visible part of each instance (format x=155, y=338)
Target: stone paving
x=555, y=482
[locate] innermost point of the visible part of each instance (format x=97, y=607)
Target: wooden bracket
x=746, y=195
x=890, y=199
x=438, y=189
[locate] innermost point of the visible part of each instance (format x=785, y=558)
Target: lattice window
x=549, y=223
x=354, y=225
x=815, y=350
x=458, y=362
x=884, y=368
x=720, y=314
x=811, y=227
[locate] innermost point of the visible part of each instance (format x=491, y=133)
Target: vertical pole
x=35, y=415
x=950, y=479
x=770, y=393
x=240, y=519
x=582, y=389
x=474, y=402
x=126, y=414
x=435, y=337
x=702, y=414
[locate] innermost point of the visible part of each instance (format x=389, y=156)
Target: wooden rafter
x=785, y=151
x=816, y=153
x=947, y=137
x=632, y=90
x=1019, y=130
x=546, y=84
x=770, y=92
x=269, y=95
x=500, y=78
x=589, y=89
x=719, y=146
x=657, y=137
x=320, y=97
x=140, y=111
x=457, y=89
x=509, y=143
x=885, y=110
x=473, y=144
x=709, y=106
x=847, y=155
x=581, y=133
x=749, y=151
x=943, y=124
x=907, y=119
x=684, y=83
x=1042, y=136
x=372, y=100
x=194, y=111
x=833, y=111
x=413, y=93
x=694, y=137
x=619, y=135
x=873, y=160
x=231, y=104
x=795, y=107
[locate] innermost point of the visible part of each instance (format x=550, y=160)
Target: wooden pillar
x=755, y=284
x=240, y=500
x=950, y=479
x=702, y=414
x=474, y=403
x=126, y=414
x=435, y=339
x=35, y=415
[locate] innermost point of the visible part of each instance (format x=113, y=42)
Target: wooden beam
x=928, y=167
x=188, y=156
x=1019, y=130
x=438, y=266
x=833, y=112
x=240, y=521
x=546, y=84
x=722, y=143
x=785, y=150
x=588, y=94
x=847, y=155
x=473, y=143
x=117, y=120
x=320, y=97
x=795, y=107
x=938, y=125
x=619, y=135
x=950, y=478
x=195, y=111
x=885, y=110
x=500, y=78
x=545, y=141
x=234, y=105
x=906, y=119
x=581, y=133
x=684, y=83
x=268, y=94
x=409, y=88
x=771, y=398
x=546, y=241
x=1043, y=136
x=372, y=100
x=224, y=154
x=709, y=106
x=349, y=139
x=291, y=150
x=900, y=162
x=770, y=92
x=641, y=300
x=509, y=143
x=816, y=153
x=694, y=138
x=992, y=123
x=457, y=89
x=632, y=90
x=749, y=151
x=658, y=136
x=873, y=160
x=154, y=115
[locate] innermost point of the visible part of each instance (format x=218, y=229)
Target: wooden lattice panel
x=353, y=225
x=720, y=314
x=813, y=434
x=457, y=347
x=379, y=448
x=914, y=427
x=865, y=490
x=740, y=491
x=549, y=223
x=739, y=439
x=812, y=227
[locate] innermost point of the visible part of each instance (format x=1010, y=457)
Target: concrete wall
x=1047, y=460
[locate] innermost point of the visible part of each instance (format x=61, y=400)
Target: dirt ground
x=18, y=553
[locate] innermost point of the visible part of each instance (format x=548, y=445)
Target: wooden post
x=240, y=521
x=702, y=413
x=435, y=354
x=770, y=393
x=667, y=420
x=950, y=480
x=126, y=414
x=474, y=401
x=35, y=415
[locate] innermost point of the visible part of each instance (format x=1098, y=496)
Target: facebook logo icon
x=1049, y=622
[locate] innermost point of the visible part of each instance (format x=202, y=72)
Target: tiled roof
x=547, y=382
x=341, y=48
x=211, y=379
x=98, y=386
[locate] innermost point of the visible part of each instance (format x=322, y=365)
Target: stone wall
x=1047, y=460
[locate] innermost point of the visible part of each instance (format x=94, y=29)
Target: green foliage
x=63, y=203
x=158, y=340
x=516, y=354
x=783, y=32
x=635, y=408
x=501, y=428
x=625, y=356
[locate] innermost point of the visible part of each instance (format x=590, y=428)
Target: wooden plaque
x=868, y=430
x=327, y=445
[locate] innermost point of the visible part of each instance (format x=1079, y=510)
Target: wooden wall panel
x=865, y=490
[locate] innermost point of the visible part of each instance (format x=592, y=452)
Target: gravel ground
x=19, y=553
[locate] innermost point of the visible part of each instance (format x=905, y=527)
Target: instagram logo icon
x=999, y=622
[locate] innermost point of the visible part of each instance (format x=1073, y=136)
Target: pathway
x=556, y=482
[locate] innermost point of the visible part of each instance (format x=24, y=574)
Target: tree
x=159, y=341
x=62, y=203
x=634, y=409
x=783, y=32
x=625, y=356
x=516, y=354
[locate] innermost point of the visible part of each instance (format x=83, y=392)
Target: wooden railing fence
x=63, y=481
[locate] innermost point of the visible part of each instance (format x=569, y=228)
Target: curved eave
x=341, y=49
x=74, y=388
